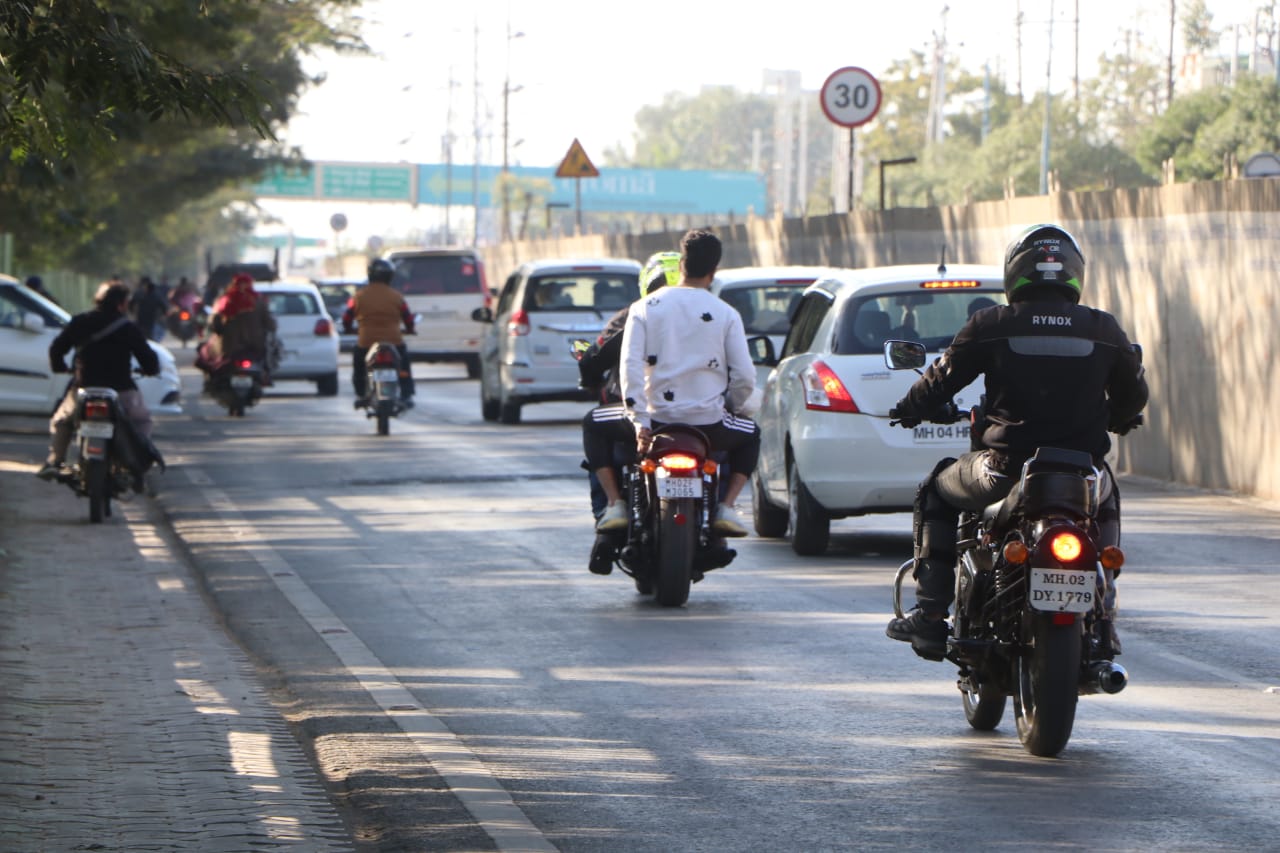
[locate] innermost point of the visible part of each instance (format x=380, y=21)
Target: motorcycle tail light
x=1064, y=618
x=184, y=316
x=244, y=364
x=384, y=357
x=97, y=410
x=823, y=390
x=1016, y=552
x=710, y=467
x=680, y=462
x=648, y=466
x=1111, y=558
x=1066, y=547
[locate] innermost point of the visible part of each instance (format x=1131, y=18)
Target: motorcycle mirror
x=904, y=355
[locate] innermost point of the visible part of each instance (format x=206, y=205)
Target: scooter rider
x=379, y=310
x=685, y=360
x=104, y=340
x=1058, y=374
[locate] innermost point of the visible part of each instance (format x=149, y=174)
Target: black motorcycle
x=383, y=374
x=236, y=384
x=185, y=323
x=113, y=457
x=668, y=543
x=1033, y=583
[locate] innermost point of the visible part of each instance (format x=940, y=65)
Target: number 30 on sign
x=850, y=97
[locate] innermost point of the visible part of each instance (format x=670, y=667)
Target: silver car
x=544, y=309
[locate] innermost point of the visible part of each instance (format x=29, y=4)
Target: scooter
x=383, y=372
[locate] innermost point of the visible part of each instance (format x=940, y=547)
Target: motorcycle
x=184, y=323
x=383, y=372
x=236, y=384
x=668, y=544
x=106, y=445
x=1034, y=592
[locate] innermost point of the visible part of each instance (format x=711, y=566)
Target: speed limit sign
x=850, y=97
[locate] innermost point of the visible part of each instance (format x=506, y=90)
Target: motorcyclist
x=607, y=425
x=378, y=310
x=105, y=340
x=241, y=327
x=685, y=360
x=1058, y=374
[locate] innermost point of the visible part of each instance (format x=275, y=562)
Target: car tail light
x=518, y=325
x=824, y=391
x=324, y=327
x=680, y=462
x=97, y=410
x=384, y=357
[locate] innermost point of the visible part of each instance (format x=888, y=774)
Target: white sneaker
x=614, y=518
x=728, y=522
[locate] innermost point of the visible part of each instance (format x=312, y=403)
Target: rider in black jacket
x=1057, y=374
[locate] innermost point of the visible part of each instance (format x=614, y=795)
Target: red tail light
x=518, y=325
x=679, y=462
x=324, y=328
x=97, y=410
x=1066, y=547
x=184, y=316
x=824, y=391
x=244, y=364
x=384, y=357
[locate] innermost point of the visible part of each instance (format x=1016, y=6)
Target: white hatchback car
x=28, y=324
x=766, y=297
x=827, y=449
x=307, y=335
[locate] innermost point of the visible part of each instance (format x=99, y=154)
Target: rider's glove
x=899, y=416
x=948, y=414
x=1123, y=429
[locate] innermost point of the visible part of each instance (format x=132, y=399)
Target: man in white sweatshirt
x=685, y=360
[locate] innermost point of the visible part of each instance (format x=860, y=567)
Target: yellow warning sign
x=576, y=164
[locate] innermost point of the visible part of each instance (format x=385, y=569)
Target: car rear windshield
x=766, y=308
x=336, y=296
x=582, y=291
x=286, y=304
x=436, y=274
x=930, y=318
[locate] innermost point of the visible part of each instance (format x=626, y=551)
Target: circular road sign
x=338, y=221
x=850, y=97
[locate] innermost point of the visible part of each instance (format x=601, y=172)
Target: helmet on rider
x=662, y=268
x=1043, y=257
x=380, y=270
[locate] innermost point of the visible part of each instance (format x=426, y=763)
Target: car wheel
x=509, y=412
x=327, y=386
x=489, y=406
x=810, y=525
x=770, y=521
x=473, y=367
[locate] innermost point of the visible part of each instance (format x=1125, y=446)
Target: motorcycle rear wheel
x=676, y=546
x=1046, y=679
x=96, y=487
x=384, y=423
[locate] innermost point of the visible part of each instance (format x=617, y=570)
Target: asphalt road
x=424, y=601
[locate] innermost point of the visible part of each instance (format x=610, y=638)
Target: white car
x=766, y=297
x=28, y=325
x=443, y=288
x=546, y=306
x=827, y=449
x=306, y=334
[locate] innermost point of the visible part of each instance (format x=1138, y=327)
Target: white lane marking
x=465, y=774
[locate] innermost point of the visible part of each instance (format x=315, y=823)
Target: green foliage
x=1200, y=131
x=711, y=130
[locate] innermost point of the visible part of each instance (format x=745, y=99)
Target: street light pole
x=506, y=133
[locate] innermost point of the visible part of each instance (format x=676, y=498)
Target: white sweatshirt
x=682, y=350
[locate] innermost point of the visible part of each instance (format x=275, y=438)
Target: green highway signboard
x=358, y=181
x=287, y=183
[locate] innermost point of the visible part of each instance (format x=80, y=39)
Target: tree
x=1201, y=130
x=1198, y=35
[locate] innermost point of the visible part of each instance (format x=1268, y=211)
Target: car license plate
x=940, y=433
x=385, y=375
x=241, y=383
x=97, y=429
x=1062, y=590
x=679, y=487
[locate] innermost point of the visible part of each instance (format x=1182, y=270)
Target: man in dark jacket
x=1058, y=374
x=104, y=340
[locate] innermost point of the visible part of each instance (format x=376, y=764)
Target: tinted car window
x=508, y=294
x=765, y=310
x=582, y=291
x=436, y=274
x=929, y=318
x=807, y=320
x=336, y=297
x=286, y=304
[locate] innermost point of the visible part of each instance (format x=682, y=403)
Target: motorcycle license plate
x=97, y=429
x=385, y=374
x=679, y=487
x=242, y=383
x=940, y=433
x=1062, y=590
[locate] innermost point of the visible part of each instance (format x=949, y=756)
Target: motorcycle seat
x=1054, y=479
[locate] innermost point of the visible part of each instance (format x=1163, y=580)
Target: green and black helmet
x=662, y=269
x=1043, y=256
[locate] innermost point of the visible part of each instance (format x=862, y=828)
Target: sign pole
x=851, y=97
x=853, y=150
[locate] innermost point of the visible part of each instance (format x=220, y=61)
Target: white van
x=443, y=287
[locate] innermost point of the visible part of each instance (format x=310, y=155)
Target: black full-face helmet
x=1043, y=256
x=380, y=270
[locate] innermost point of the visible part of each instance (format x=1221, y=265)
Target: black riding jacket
x=1057, y=374
x=598, y=367
x=103, y=363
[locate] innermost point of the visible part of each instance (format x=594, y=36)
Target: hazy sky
x=584, y=69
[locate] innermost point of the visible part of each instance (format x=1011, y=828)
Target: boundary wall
x=1191, y=270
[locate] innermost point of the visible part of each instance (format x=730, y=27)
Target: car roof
x=735, y=276
x=287, y=287
x=605, y=264
x=330, y=282
x=846, y=282
x=454, y=252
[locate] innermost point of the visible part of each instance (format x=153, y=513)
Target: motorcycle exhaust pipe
x=1104, y=676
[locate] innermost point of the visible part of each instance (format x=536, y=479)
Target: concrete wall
x=1192, y=271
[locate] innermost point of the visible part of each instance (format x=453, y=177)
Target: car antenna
x=942, y=265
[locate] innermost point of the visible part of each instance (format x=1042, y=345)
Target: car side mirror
x=761, y=349
x=482, y=315
x=904, y=355
x=30, y=321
